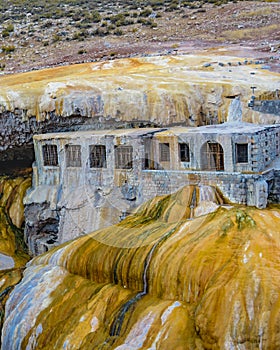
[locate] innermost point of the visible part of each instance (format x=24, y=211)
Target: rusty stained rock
x=163, y=90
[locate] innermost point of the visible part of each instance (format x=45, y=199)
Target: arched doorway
x=212, y=156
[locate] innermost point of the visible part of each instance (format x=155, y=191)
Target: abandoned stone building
x=81, y=180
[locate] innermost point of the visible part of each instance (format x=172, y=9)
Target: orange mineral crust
x=162, y=89
x=156, y=281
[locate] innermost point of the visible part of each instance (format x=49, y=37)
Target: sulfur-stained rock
x=152, y=282
x=155, y=91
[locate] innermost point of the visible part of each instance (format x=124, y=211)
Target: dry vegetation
x=35, y=34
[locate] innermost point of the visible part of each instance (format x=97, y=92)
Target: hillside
x=36, y=34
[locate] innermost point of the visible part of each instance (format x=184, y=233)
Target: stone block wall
x=238, y=188
x=267, y=106
x=274, y=193
x=265, y=148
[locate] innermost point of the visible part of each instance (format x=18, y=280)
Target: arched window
x=212, y=156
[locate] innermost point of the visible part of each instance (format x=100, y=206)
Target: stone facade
x=91, y=179
x=266, y=106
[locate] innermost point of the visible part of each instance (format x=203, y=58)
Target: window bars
x=123, y=157
x=164, y=152
x=73, y=156
x=50, y=157
x=97, y=156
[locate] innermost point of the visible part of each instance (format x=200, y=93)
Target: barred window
x=123, y=157
x=184, y=152
x=73, y=156
x=242, y=153
x=164, y=152
x=50, y=157
x=97, y=156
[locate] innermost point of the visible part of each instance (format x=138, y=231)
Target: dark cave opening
x=16, y=160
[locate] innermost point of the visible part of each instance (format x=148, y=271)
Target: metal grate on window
x=50, y=157
x=184, y=152
x=123, y=157
x=241, y=153
x=97, y=156
x=73, y=156
x=164, y=152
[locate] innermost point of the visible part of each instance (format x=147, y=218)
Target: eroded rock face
x=150, y=91
x=13, y=254
x=155, y=280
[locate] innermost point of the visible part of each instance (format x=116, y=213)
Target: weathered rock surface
x=12, y=253
x=12, y=192
x=156, y=280
x=151, y=91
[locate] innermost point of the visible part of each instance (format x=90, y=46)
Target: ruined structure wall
x=274, y=195
x=236, y=187
x=267, y=106
x=265, y=148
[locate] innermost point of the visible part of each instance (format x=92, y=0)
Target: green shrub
x=146, y=12
x=8, y=49
x=96, y=17
x=118, y=32
x=5, y=33
x=10, y=28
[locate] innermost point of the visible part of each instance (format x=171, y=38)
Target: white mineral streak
x=138, y=333
x=235, y=111
x=94, y=324
x=164, y=318
x=6, y=262
x=26, y=302
x=169, y=310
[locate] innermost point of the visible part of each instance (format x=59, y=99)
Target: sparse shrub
x=5, y=33
x=82, y=51
x=111, y=27
x=117, y=18
x=96, y=17
x=56, y=38
x=10, y=28
x=172, y=7
x=147, y=22
x=146, y=12
x=118, y=32
x=101, y=32
x=8, y=49
x=81, y=35
x=47, y=24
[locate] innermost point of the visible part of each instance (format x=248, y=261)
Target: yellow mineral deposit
x=12, y=192
x=160, y=279
x=162, y=89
